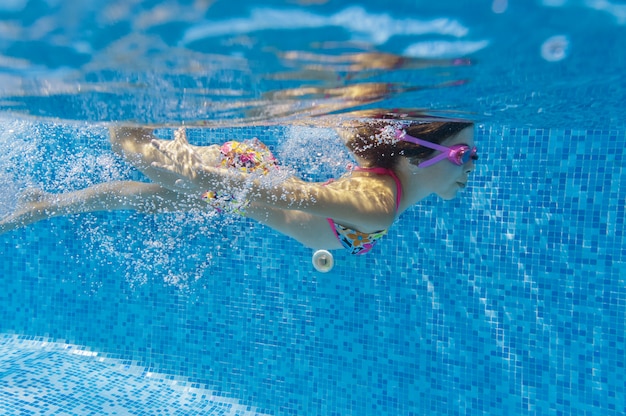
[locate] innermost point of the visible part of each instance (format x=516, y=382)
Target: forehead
x=465, y=136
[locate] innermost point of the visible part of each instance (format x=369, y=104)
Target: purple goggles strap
x=401, y=135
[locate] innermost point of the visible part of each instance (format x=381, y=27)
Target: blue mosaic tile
x=42, y=377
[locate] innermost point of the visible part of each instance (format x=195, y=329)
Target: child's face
x=446, y=178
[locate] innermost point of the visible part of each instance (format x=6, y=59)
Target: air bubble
x=555, y=48
x=323, y=261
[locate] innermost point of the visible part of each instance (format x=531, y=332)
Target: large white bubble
x=555, y=48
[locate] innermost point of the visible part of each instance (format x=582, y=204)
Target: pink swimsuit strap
x=389, y=172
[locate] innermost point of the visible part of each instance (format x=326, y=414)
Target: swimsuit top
x=355, y=241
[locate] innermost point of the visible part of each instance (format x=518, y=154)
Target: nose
x=469, y=166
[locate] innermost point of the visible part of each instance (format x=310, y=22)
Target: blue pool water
x=510, y=299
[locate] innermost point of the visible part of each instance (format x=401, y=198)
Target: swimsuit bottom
x=249, y=156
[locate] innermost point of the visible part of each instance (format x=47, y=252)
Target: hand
x=194, y=175
x=183, y=160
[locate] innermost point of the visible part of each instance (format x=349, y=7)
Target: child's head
x=374, y=143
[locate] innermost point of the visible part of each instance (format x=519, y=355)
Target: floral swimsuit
x=248, y=156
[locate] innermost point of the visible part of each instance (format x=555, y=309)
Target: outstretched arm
x=36, y=205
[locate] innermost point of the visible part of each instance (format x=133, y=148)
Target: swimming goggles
x=459, y=154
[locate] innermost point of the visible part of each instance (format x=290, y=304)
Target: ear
x=405, y=165
x=415, y=169
x=415, y=163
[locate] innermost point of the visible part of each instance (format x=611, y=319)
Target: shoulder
x=361, y=202
x=371, y=200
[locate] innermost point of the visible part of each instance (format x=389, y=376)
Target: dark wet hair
x=374, y=142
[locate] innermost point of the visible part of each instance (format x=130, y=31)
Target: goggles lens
x=460, y=154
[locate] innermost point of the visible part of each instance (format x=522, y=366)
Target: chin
x=449, y=196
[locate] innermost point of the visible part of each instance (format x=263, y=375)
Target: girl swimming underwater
x=400, y=163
